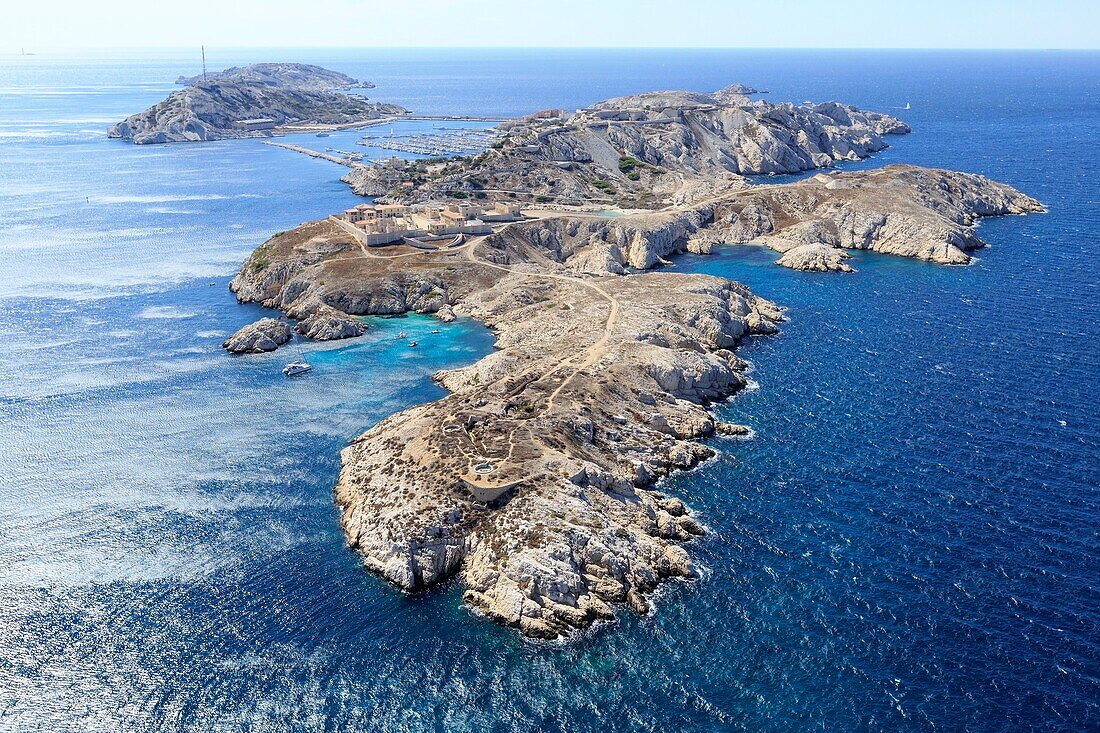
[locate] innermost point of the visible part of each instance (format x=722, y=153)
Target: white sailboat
x=298, y=366
x=908, y=106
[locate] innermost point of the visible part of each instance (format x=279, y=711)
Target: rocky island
x=535, y=481
x=252, y=101
x=299, y=76
x=643, y=150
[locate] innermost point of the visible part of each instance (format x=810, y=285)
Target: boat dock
x=350, y=155
x=448, y=141
x=345, y=160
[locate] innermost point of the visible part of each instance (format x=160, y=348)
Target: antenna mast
x=203, y=62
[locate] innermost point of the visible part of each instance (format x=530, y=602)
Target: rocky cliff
x=908, y=211
x=534, y=480
x=647, y=150
x=229, y=105
x=297, y=76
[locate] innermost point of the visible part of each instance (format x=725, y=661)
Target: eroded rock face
x=533, y=481
x=266, y=334
x=815, y=258
x=565, y=523
x=650, y=150
x=325, y=323
x=318, y=275
x=902, y=210
x=226, y=104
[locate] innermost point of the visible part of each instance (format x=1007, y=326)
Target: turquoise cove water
x=908, y=542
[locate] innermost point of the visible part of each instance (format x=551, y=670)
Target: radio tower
x=203, y=62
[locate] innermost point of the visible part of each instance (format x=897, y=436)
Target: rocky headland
x=266, y=334
x=922, y=213
x=535, y=481
x=645, y=150
x=298, y=76
x=252, y=101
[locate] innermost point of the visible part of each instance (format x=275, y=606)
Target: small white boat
x=298, y=366
x=908, y=106
x=412, y=344
x=401, y=335
x=435, y=330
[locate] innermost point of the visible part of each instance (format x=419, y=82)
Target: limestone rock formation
x=922, y=213
x=534, y=483
x=534, y=480
x=298, y=76
x=325, y=323
x=647, y=150
x=902, y=210
x=266, y=334
x=236, y=103
x=815, y=258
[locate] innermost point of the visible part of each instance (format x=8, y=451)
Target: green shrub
x=629, y=164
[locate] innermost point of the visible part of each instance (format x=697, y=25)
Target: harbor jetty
x=346, y=159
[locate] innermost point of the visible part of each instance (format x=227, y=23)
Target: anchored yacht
x=298, y=366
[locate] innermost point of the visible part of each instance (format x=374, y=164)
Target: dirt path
x=595, y=352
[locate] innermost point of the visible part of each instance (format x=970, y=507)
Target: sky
x=42, y=25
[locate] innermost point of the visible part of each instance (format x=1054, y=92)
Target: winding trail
x=594, y=353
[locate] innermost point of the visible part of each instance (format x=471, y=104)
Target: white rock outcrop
x=266, y=334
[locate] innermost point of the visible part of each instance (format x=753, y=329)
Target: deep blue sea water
x=908, y=543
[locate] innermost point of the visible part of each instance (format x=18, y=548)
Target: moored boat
x=298, y=366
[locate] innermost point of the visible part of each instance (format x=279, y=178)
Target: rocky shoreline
x=534, y=480
x=644, y=150
x=251, y=101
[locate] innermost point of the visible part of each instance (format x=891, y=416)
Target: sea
x=908, y=542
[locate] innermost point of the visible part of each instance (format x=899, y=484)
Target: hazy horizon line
x=610, y=47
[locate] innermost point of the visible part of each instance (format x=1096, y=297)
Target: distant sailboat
x=908, y=106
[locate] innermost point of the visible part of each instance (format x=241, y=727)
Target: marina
x=444, y=142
